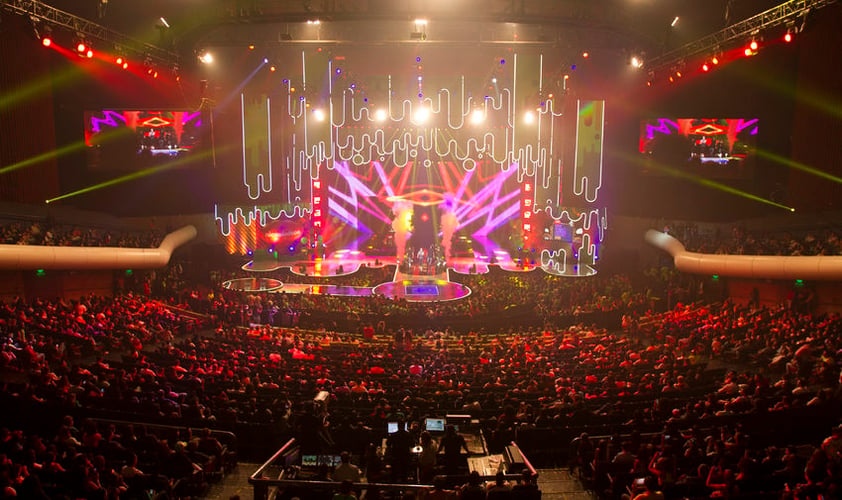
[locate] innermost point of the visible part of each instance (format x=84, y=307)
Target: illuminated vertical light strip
x=513, y=104
x=269, y=137
x=243, y=122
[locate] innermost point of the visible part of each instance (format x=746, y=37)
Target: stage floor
x=412, y=287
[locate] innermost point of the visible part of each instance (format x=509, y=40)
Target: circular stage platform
x=423, y=290
x=253, y=284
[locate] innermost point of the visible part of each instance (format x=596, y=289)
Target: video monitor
x=434, y=424
x=309, y=460
x=136, y=139
x=711, y=147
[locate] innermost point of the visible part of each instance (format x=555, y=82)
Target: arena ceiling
x=640, y=26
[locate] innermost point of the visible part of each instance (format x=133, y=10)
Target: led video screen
x=127, y=140
x=712, y=147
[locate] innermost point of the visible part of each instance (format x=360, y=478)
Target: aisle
x=560, y=484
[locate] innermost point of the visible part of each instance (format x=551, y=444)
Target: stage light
x=788, y=37
x=747, y=52
x=586, y=55
x=529, y=117
x=265, y=60
x=164, y=22
x=81, y=47
x=206, y=57
x=422, y=115
x=314, y=21
x=89, y=54
x=319, y=115
x=715, y=60
x=272, y=69
x=119, y=60
x=494, y=80
x=251, y=46
x=674, y=22
x=380, y=115
x=678, y=74
x=46, y=41
x=636, y=62
x=649, y=83
x=753, y=45
x=705, y=67
x=421, y=22
x=155, y=74
x=125, y=65
x=477, y=116
x=672, y=80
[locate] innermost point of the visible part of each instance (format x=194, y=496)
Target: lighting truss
x=774, y=17
x=89, y=30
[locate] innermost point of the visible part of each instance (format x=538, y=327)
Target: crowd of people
x=739, y=240
x=699, y=400
x=67, y=235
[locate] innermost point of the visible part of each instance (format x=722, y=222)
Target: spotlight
x=753, y=45
x=272, y=69
x=125, y=65
x=636, y=62
x=265, y=60
x=705, y=67
x=206, y=57
x=649, y=83
x=119, y=61
x=715, y=60
x=529, y=117
x=81, y=47
x=46, y=41
x=788, y=37
x=747, y=52
x=586, y=55
x=422, y=115
x=319, y=115
x=380, y=115
x=477, y=116
x=89, y=54
x=251, y=46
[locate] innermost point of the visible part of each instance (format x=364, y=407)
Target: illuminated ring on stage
x=413, y=153
x=469, y=164
x=427, y=163
x=253, y=284
x=359, y=160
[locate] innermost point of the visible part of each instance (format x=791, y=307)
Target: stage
x=410, y=285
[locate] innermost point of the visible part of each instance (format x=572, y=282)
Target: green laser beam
x=49, y=155
x=797, y=165
x=654, y=165
x=134, y=175
x=38, y=86
x=66, y=149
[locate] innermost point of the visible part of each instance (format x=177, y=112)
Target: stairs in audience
x=561, y=484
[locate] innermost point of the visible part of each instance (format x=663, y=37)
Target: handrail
x=816, y=267
x=25, y=257
x=526, y=461
x=274, y=457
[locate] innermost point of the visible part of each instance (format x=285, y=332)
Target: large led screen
x=126, y=140
x=712, y=147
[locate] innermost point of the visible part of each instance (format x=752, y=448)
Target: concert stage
x=410, y=285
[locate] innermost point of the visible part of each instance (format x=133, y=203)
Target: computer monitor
x=309, y=461
x=434, y=424
x=392, y=427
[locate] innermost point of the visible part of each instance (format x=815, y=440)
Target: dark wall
x=26, y=115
